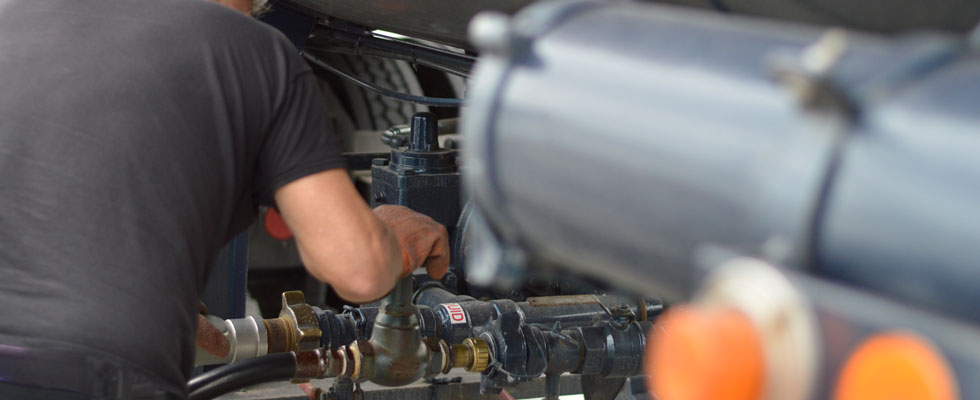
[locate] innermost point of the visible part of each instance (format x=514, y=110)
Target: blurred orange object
x=705, y=354
x=896, y=366
x=275, y=226
x=308, y=389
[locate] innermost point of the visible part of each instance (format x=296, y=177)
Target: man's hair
x=260, y=7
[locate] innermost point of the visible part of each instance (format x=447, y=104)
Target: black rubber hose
x=231, y=377
x=416, y=51
x=424, y=100
x=393, y=56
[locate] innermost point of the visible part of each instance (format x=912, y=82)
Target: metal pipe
x=399, y=299
x=433, y=296
x=457, y=316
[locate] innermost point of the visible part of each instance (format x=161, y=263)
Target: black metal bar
x=362, y=161
x=425, y=100
x=343, y=49
x=456, y=386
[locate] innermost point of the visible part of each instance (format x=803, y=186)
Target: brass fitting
x=299, y=316
x=319, y=364
x=297, y=327
x=361, y=363
x=473, y=355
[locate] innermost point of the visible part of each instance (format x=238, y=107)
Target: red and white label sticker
x=456, y=314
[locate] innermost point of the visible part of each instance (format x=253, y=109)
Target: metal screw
x=820, y=57
x=490, y=32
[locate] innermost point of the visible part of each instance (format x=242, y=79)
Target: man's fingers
x=437, y=263
x=437, y=266
x=210, y=338
x=424, y=242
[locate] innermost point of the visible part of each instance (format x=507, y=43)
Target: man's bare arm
x=340, y=240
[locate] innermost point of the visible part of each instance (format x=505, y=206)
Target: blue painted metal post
x=224, y=293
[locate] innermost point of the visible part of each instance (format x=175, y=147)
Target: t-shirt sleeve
x=300, y=140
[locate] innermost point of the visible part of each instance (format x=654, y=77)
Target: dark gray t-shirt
x=137, y=137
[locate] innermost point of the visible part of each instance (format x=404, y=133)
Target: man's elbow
x=363, y=293
x=364, y=279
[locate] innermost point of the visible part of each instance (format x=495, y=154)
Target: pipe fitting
x=395, y=355
x=472, y=355
x=320, y=364
x=303, y=328
x=247, y=338
x=440, y=359
x=297, y=327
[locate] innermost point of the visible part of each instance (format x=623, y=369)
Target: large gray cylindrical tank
x=620, y=141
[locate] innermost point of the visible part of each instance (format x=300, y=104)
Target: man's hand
x=424, y=242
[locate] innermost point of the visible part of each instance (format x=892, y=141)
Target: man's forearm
x=340, y=240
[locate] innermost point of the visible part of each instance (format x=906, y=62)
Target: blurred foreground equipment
x=679, y=141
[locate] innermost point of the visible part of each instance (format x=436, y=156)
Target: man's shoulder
x=218, y=22
x=192, y=31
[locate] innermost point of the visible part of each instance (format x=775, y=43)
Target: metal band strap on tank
x=843, y=105
x=503, y=42
x=809, y=75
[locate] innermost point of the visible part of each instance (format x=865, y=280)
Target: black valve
x=425, y=132
x=421, y=175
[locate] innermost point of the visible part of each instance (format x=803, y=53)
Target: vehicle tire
x=369, y=110
x=360, y=114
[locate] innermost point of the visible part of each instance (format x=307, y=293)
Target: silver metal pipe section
x=247, y=338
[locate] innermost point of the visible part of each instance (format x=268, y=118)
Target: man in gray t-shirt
x=136, y=138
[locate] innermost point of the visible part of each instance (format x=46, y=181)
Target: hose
x=393, y=56
x=424, y=100
x=268, y=368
